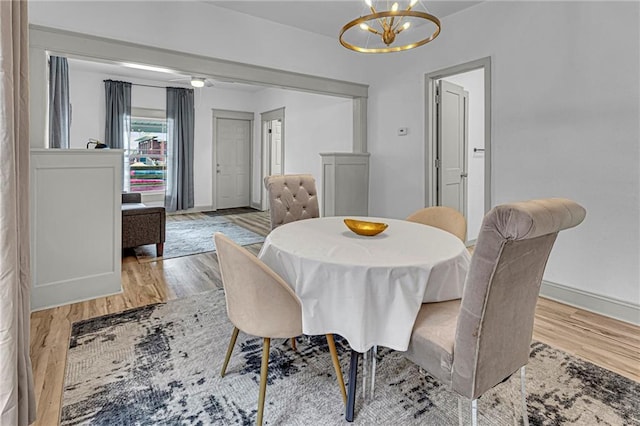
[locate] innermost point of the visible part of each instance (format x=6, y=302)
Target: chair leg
x=523, y=392
x=474, y=412
x=293, y=344
x=336, y=366
x=232, y=343
x=474, y=403
x=264, y=370
x=159, y=249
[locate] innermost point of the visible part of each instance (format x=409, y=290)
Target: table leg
x=373, y=358
x=369, y=360
x=351, y=393
x=365, y=372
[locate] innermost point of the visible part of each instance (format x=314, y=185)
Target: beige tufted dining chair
x=475, y=343
x=445, y=218
x=261, y=304
x=291, y=198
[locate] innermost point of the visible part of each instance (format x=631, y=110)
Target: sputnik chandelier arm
x=389, y=25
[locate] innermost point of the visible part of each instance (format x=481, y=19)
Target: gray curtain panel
x=59, y=110
x=180, y=128
x=118, y=119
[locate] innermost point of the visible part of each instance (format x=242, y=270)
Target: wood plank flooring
x=603, y=341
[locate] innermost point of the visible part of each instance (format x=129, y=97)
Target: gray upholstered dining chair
x=475, y=343
x=445, y=218
x=261, y=304
x=291, y=198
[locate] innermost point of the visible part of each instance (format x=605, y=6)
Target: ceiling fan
x=196, y=81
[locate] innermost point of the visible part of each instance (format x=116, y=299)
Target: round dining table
x=367, y=289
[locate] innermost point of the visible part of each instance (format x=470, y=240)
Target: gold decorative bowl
x=365, y=228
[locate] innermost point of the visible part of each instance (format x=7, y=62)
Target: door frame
x=431, y=136
x=274, y=114
x=230, y=115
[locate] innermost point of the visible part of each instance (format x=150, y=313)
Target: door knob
x=464, y=175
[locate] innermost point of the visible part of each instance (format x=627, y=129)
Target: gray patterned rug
x=187, y=237
x=159, y=365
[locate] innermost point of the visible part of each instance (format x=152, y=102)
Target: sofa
x=142, y=224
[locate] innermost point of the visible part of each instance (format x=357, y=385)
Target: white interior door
x=452, y=146
x=275, y=146
x=233, y=156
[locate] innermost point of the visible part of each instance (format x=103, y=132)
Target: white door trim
x=233, y=115
x=431, y=131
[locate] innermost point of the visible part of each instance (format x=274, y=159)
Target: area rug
x=188, y=237
x=160, y=365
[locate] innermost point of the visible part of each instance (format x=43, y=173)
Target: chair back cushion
x=442, y=217
x=495, y=323
x=291, y=198
x=259, y=302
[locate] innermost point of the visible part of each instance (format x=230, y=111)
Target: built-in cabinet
x=345, y=184
x=76, y=225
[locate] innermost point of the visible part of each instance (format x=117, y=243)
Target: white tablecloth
x=366, y=289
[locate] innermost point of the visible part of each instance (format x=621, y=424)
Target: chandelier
x=386, y=28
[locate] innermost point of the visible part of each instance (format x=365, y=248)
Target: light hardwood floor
x=603, y=341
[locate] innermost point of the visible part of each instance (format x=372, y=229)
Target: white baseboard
x=603, y=305
x=196, y=209
x=58, y=303
x=256, y=206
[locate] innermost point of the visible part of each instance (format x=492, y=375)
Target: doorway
x=232, y=158
x=273, y=143
x=452, y=104
x=458, y=160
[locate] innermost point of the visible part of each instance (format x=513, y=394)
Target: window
x=145, y=159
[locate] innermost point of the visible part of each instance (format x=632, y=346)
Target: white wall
x=565, y=123
x=191, y=27
x=86, y=92
x=473, y=82
x=565, y=105
x=202, y=28
x=312, y=124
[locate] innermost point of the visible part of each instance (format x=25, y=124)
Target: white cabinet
x=345, y=184
x=76, y=225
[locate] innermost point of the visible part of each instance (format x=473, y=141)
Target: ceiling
x=162, y=78
x=327, y=17
x=324, y=17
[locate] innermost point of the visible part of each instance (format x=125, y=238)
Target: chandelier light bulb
x=394, y=8
x=413, y=3
x=364, y=27
x=368, y=2
x=406, y=25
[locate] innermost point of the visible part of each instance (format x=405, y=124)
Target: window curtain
x=180, y=128
x=59, y=109
x=118, y=119
x=17, y=401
